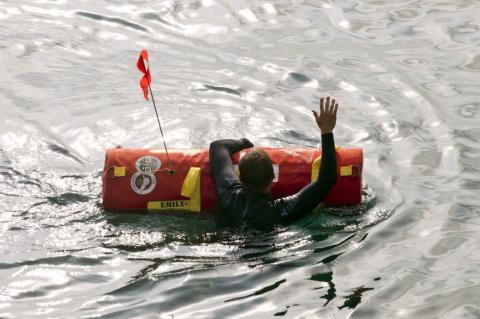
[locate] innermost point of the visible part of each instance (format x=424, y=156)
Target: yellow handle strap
x=119, y=171
x=346, y=170
x=191, y=188
x=316, y=168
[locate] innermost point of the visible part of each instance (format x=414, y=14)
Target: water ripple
x=114, y=20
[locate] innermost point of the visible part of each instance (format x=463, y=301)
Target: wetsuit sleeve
x=221, y=166
x=294, y=207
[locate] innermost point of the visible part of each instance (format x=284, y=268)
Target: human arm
x=221, y=166
x=301, y=204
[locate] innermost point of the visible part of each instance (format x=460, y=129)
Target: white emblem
x=148, y=164
x=144, y=181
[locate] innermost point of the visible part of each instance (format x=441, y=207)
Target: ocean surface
x=406, y=74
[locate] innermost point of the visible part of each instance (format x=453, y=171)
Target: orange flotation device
x=138, y=179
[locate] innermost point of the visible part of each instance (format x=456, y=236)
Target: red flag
x=146, y=79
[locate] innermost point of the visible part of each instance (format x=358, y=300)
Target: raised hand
x=327, y=118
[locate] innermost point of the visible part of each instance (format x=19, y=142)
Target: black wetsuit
x=239, y=205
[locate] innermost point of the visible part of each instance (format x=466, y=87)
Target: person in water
x=247, y=201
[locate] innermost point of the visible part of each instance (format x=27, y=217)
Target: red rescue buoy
x=139, y=180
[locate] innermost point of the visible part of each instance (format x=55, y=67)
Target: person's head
x=256, y=170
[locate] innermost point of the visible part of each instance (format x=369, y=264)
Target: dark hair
x=256, y=170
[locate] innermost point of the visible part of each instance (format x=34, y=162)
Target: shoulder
x=230, y=183
x=285, y=205
x=230, y=191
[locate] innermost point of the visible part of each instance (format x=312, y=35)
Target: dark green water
x=406, y=74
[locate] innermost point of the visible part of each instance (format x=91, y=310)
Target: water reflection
x=355, y=298
x=330, y=294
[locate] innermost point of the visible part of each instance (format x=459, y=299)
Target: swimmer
x=247, y=201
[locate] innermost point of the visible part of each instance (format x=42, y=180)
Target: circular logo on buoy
x=143, y=183
x=148, y=164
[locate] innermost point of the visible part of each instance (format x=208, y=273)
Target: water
x=406, y=74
